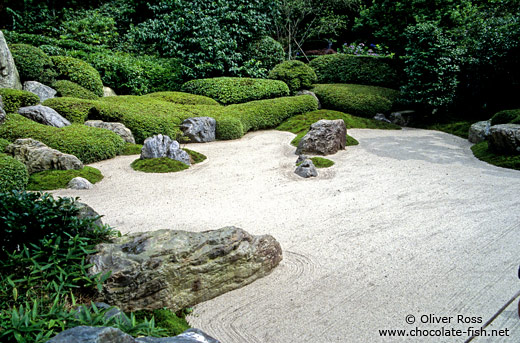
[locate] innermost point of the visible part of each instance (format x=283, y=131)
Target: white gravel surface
x=406, y=223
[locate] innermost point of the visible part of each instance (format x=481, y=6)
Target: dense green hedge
x=235, y=90
x=365, y=70
x=32, y=63
x=358, y=100
x=73, y=109
x=66, y=88
x=183, y=98
x=506, y=117
x=13, y=99
x=78, y=71
x=296, y=74
x=89, y=144
x=13, y=174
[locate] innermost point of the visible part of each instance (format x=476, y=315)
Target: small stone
x=107, y=91
x=199, y=129
x=325, y=137
x=301, y=158
x=401, y=118
x=89, y=334
x=306, y=92
x=479, y=131
x=80, y=183
x=44, y=115
x=163, y=146
x=381, y=117
x=306, y=169
x=38, y=157
x=117, y=128
x=188, y=336
x=42, y=91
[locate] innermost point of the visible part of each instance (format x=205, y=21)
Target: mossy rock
x=56, y=179
x=506, y=117
x=296, y=74
x=78, y=71
x=13, y=174
x=66, y=88
x=13, y=99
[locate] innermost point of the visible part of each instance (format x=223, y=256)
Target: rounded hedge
x=229, y=128
x=268, y=51
x=73, y=109
x=13, y=174
x=78, y=71
x=296, y=74
x=13, y=99
x=365, y=70
x=235, y=90
x=66, y=88
x=506, y=117
x=182, y=98
x=358, y=100
x=89, y=144
x=32, y=63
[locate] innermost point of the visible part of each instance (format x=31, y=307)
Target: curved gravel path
x=408, y=222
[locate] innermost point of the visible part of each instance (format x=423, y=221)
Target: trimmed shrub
x=296, y=74
x=32, y=63
x=365, y=70
x=3, y=144
x=56, y=179
x=266, y=50
x=13, y=174
x=229, y=128
x=73, y=109
x=235, y=90
x=506, y=117
x=183, y=98
x=89, y=144
x=66, y=88
x=13, y=99
x=131, y=149
x=78, y=71
x=358, y=100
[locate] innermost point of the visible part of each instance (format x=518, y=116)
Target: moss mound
x=32, y=63
x=56, y=179
x=89, y=144
x=66, y=88
x=158, y=165
x=13, y=174
x=13, y=99
x=73, y=109
x=320, y=162
x=506, y=117
x=183, y=98
x=3, y=144
x=165, y=319
x=296, y=74
x=196, y=157
x=235, y=90
x=78, y=71
x=359, y=100
x=484, y=153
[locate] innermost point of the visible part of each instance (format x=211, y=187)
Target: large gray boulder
x=306, y=169
x=42, y=91
x=479, y=131
x=325, y=137
x=117, y=128
x=44, y=115
x=505, y=138
x=199, y=129
x=306, y=92
x=38, y=157
x=163, y=146
x=178, y=269
x=188, y=336
x=9, y=77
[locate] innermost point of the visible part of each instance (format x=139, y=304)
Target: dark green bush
x=13, y=174
x=183, y=98
x=13, y=99
x=358, y=100
x=66, y=88
x=89, y=144
x=32, y=63
x=131, y=149
x=365, y=70
x=78, y=71
x=506, y=117
x=266, y=50
x=73, y=109
x=56, y=179
x=234, y=90
x=296, y=74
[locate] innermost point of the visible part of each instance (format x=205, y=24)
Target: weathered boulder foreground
x=325, y=137
x=178, y=269
x=9, y=77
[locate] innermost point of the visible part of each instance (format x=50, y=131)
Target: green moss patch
x=458, y=128
x=196, y=157
x=320, y=162
x=56, y=179
x=183, y=98
x=165, y=319
x=484, y=153
x=358, y=100
x=73, y=109
x=131, y=149
x=3, y=144
x=158, y=165
x=506, y=117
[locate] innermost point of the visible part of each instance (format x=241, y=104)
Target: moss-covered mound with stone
x=56, y=179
